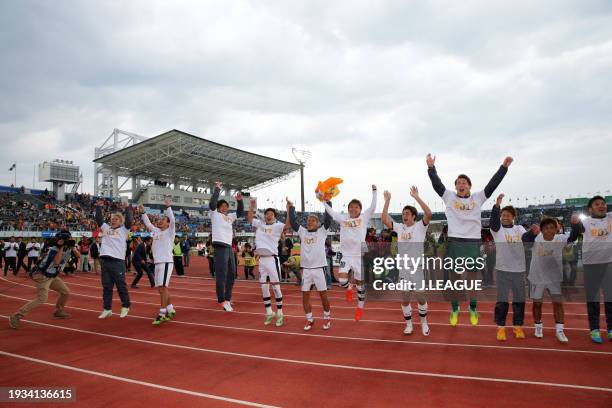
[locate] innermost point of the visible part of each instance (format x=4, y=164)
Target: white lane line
x=327, y=365
x=330, y=295
x=132, y=381
x=399, y=321
x=361, y=339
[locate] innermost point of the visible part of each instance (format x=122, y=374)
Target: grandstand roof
x=179, y=155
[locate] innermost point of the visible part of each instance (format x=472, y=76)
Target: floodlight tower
x=302, y=156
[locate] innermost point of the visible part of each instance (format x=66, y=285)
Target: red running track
x=207, y=357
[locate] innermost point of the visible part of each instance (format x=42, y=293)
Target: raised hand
x=238, y=196
x=431, y=161
x=141, y=209
x=387, y=196
x=253, y=204
x=289, y=203
x=218, y=184
x=508, y=161
x=499, y=199
x=373, y=187
x=414, y=192
x=100, y=203
x=168, y=201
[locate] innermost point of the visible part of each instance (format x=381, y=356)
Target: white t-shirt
x=222, y=226
x=114, y=241
x=410, y=239
x=464, y=214
x=509, y=249
x=353, y=230
x=312, y=247
x=10, y=249
x=163, y=241
x=547, y=259
x=597, y=240
x=33, y=249
x=267, y=237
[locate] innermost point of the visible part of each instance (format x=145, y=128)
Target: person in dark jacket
x=139, y=260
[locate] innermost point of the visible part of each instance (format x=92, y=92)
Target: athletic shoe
x=269, y=317
x=105, y=313
x=408, y=329
x=124, y=312
x=501, y=334
x=309, y=325
x=159, y=320
x=14, y=321
x=349, y=295
x=561, y=337
x=473, y=316
x=518, y=332
x=279, y=320
x=596, y=337
x=227, y=306
x=60, y=314
x=171, y=315
x=327, y=324
x=358, y=314
x=539, y=330
x=424, y=327
x=454, y=317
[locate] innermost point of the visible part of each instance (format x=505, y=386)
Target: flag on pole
x=13, y=167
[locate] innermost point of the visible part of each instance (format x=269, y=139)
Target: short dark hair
x=270, y=209
x=354, y=201
x=593, y=199
x=411, y=209
x=466, y=178
x=548, y=220
x=221, y=202
x=146, y=239
x=510, y=209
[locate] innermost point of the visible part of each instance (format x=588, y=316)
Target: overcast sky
x=369, y=87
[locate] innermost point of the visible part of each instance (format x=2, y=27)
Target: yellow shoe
x=501, y=334
x=454, y=317
x=518, y=332
x=473, y=317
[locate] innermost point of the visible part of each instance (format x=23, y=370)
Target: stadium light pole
x=302, y=157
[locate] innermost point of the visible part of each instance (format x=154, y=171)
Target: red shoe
x=358, y=314
x=349, y=295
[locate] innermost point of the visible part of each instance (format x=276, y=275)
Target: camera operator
x=46, y=276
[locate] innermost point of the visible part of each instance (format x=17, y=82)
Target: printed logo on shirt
x=352, y=223
x=266, y=230
x=406, y=236
x=110, y=232
x=310, y=240
x=461, y=206
x=227, y=219
x=544, y=252
x=600, y=232
x=513, y=237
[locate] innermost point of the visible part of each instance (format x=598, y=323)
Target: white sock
x=422, y=311
x=407, y=310
x=360, y=296
x=278, y=297
x=162, y=311
x=309, y=317
x=559, y=327
x=170, y=308
x=265, y=290
x=327, y=315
